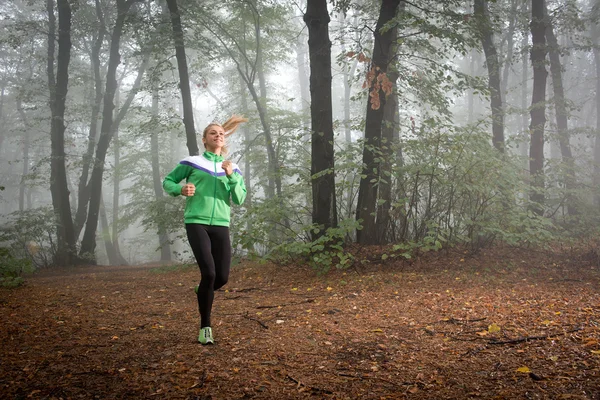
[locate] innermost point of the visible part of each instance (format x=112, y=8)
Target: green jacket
x=210, y=204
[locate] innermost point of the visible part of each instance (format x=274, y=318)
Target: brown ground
x=506, y=324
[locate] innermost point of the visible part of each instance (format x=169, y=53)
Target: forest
x=422, y=210
x=418, y=126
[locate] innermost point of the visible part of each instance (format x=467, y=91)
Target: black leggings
x=212, y=248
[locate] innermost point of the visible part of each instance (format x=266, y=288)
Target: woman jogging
x=211, y=182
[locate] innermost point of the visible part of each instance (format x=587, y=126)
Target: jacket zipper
x=212, y=215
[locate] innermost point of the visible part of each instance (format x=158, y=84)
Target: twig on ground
x=289, y=304
x=313, y=388
x=256, y=320
x=529, y=338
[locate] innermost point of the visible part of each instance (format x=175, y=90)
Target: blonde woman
x=211, y=184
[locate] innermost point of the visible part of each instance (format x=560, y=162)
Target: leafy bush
x=323, y=253
x=29, y=238
x=12, y=268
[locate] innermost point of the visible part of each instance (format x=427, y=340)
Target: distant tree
x=485, y=32
x=562, y=114
x=324, y=209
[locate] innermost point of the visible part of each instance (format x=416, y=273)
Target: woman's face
x=214, y=138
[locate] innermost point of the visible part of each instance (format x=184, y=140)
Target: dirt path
x=501, y=326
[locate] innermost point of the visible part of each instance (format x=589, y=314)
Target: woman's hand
x=188, y=190
x=228, y=167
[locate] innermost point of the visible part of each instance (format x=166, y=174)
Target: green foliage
x=323, y=253
x=12, y=268
x=30, y=239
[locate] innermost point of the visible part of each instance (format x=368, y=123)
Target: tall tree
x=324, y=210
x=493, y=66
x=524, y=143
x=66, y=245
x=538, y=105
x=184, y=80
x=88, y=242
x=367, y=195
x=163, y=236
x=561, y=113
x=83, y=192
x=595, y=35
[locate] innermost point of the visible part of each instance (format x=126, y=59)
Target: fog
x=442, y=178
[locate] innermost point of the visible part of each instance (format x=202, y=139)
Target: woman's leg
x=200, y=243
x=221, y=252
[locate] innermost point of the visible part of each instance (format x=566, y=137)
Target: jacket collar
x=212, y=156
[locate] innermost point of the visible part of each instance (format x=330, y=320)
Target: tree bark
x=538, y=106
x=561, y=113
x=324, y=210
x=66, y=250
x=370, y=176
x=493, y=67
x=184, y=80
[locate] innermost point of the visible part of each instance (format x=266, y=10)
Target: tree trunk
x=163, y=237
x=303, y=79
x=347, y=76
x=26, y=145
x=595, y=31
x=538, y=106
x=524, y=143
x=389, y=132
x=113, y=258
x=560, y=108
x=66, y=250
x=88, y=243
x=84, y=188
x=370, y=176
x=247, y=145
x=509, y=48
x=324, y=210
x=493, y=67
x=184, y=80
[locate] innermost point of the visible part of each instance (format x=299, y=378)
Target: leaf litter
x=501, y=324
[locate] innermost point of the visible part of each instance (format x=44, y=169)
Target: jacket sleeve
x=238, y=188
x=171, y=181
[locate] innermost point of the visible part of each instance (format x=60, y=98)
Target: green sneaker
x=205, y=336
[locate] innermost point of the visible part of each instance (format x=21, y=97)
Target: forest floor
x=501, y=324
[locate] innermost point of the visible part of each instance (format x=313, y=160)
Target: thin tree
x=538, y=105
x=324, y=210
x=561, y=113
x=367, y=195
x=493, y=67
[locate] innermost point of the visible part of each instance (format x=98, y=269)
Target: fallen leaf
x=524, y=370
